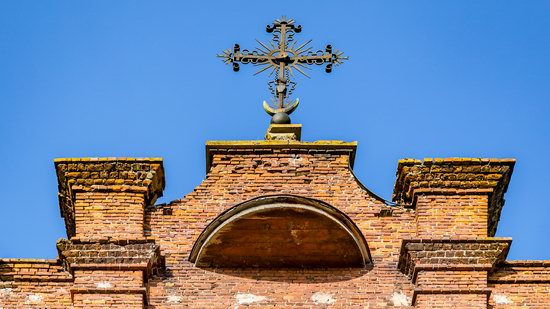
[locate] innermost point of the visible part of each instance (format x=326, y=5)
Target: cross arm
x=245, y=56
x=328, y=56
x=314, y=59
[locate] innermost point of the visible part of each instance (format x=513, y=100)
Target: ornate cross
x=282, y=57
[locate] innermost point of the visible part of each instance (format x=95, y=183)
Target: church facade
x=279, y=223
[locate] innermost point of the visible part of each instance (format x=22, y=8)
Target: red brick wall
x=108, y=278
x=119, y=301
x=520, y=295
x=458, y=216
x=520, y=284
x=109, y=214
x=26, y=283
x=33, y=294
x=240, y=176
x=451, y=301
x=459, y=279
x=109, y=264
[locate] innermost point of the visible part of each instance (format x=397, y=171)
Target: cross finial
x=282, y=56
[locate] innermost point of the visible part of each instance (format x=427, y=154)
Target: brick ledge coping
x=275, y=143
x=525, y=263
x=109, y=159
x=212, y=146
x=28, y=261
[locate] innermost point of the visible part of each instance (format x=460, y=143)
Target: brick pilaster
x=457, y=203
x=452, y=272
x=109, y=274
x=103, y=202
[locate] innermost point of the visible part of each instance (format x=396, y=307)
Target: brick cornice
x=451, y=254
x=450, y=175
x=142, y=255
x=455, y=176
x=138, y=175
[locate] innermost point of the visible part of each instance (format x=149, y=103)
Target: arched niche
x=281, y=231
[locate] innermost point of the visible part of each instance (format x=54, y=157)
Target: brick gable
x=279, y=223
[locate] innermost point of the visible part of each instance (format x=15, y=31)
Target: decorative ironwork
x=281, y=58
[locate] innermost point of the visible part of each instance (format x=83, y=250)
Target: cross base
x=284, y=132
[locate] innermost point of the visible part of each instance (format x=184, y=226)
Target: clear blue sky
x=140, y=78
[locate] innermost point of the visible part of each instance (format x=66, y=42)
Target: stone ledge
x=455, y=176
x=284, y=132
x=139, y=175
x=276, y=143
x=252, y=147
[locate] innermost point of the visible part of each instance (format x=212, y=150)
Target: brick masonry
x=279, y=223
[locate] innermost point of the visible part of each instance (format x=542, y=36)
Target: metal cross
x=282, y=57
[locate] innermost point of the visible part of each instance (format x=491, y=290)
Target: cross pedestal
x=284, y=132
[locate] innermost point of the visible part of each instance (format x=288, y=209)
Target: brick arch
x=281, y=231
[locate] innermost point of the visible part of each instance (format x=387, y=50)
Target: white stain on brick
x=104, y=285
x=5, y=291
x=399, y=299
x=33, y=299
x=296, y=161
x=62, y=291
x=321, y=298
x=174, y=299
x=247, y=299
x=501, y=299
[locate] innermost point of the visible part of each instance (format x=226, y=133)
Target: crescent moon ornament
x=290, y=108
x=280, y=115
x=287, y=109
x=268, y=109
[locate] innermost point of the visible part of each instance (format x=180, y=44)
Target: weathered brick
x=431, y=250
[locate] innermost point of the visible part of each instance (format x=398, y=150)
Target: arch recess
x=281, y=231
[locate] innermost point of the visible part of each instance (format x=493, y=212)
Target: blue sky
x=140, y=78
